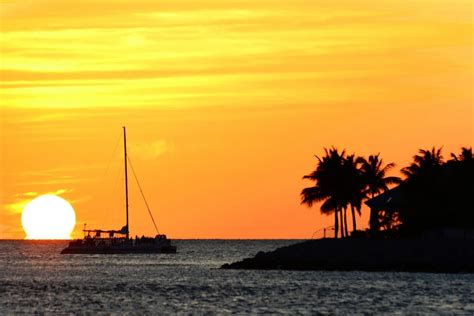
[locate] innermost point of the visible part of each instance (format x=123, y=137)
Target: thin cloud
x=27, y=194
x=16, y=207
x=151, y=150
x=18, y=201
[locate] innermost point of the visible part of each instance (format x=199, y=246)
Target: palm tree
x=375, y=177
x=374, y=173
x=465, y=156
x=327, y=186
x=315, y=194
x=422, y=196
x=438, y=193
x=354, y=186
x=425, y=162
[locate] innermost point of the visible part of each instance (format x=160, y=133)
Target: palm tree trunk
x=345, y=222
x=354, y=225
x=336, y=224
x=342, y=223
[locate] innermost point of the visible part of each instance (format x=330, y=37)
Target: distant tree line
x=436, y=193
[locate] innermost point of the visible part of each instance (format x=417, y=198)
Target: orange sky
x=225, y=103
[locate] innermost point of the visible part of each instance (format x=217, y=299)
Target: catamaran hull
x=118, y=250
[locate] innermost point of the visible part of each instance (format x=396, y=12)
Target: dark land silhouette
x=425, y=222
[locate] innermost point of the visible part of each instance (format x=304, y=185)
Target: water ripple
x=35, y=278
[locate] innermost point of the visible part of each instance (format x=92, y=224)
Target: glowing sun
x=48, y=217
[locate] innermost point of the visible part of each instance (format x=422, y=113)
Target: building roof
x=390, y=200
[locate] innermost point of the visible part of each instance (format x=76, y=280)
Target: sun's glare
x=48, y=217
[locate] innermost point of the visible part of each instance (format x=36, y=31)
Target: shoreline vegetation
x=425, y=223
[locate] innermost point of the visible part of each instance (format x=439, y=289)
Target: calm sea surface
x=34, y=277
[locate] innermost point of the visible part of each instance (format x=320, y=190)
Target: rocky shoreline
x=446, y=256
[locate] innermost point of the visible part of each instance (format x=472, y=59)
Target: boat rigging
x=119, y=241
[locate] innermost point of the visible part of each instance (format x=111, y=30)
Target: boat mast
x=126, y=178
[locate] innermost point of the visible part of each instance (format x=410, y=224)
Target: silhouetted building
x=389, y=201
x=386, y=204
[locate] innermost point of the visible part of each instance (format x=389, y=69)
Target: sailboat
x=98, y=241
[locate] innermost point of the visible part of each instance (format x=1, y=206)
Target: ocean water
x=34, y=277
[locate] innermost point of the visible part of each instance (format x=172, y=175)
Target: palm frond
x=392, y=180
x=312, y=195
x=329, y=206
x=388, y=167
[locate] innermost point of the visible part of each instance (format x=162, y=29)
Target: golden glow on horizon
x=225, y=102
x=48, y=217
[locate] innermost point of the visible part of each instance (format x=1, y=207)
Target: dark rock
x=367, y=255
